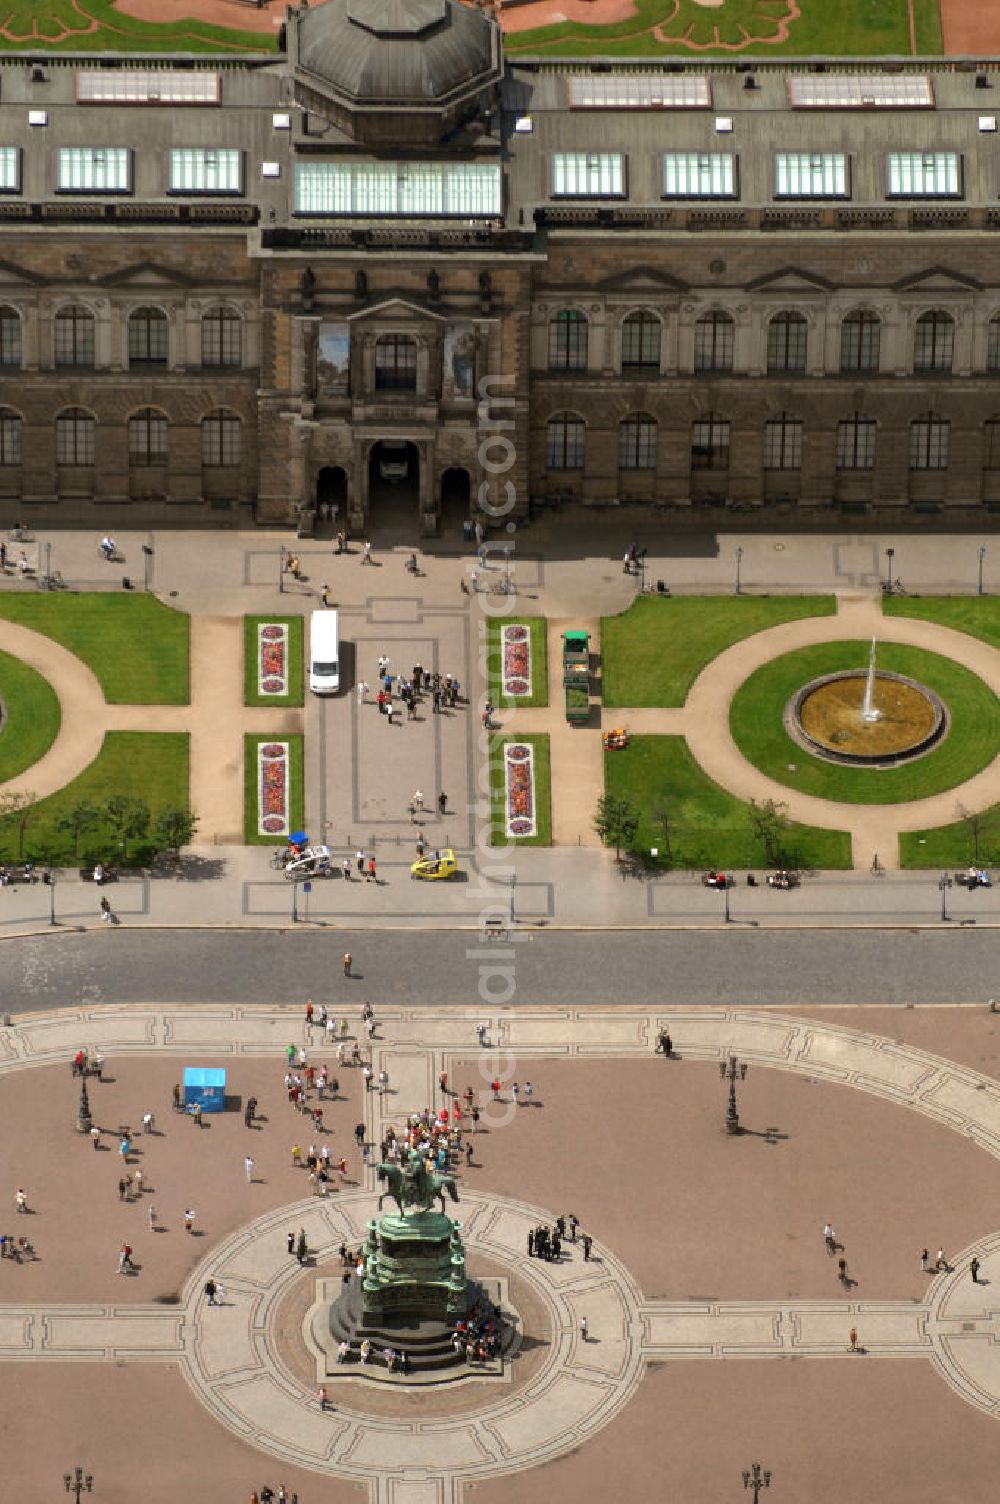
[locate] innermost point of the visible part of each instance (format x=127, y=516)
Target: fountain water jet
x=869, y=710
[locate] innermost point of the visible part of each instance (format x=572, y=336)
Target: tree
x=663, y=818
x=15, y=809
x=769, y=824
x=80, y=817
x=128, y=817
x=174, y=827
x=616, y=822
x=978, y=826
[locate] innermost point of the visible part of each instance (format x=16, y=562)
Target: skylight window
x=469, y=190
x=699, y=174
x=810, y=174
x=640, y=91
x=860, y=91
x=588, y=174
x=92, y=169
x=9, y=164
x=146, y=86
x=923, y=174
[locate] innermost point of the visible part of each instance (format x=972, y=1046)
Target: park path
x=215, y=721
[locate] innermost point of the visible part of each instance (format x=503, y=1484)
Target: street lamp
x=756, y=1477
x=739, y=560
x=982, y=556
x=889, y=554
x=50, y=880
x=944, y=883
x=78, y=1482
x=147, y=554
x=48, y=567
x=732, y=1072
x=641, y=556
x=84, y=1122
x=281, y=568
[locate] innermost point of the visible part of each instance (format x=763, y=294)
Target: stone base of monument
x=338, y=1315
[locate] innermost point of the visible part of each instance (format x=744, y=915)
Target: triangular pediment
x=642, y=279
x=790, y=279
x=11, y=272
x=396, y=308
x=937, y=279
x=146, y=274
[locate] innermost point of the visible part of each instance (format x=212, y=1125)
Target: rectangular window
x=993, y=346
x=92, y=169
x=10, y=438
x=923, y=174
x=992, y=447
x=468, y=190
x=783, y=444
x=856, y=444
x=929, y=444
x=810, y=174
x=10, y=165
x=10, y=338
x=637, y=445
x=147, y=441
x=565, y=444
x=75, y=440
x=860, y=91
x=146, y=86
x=639, y=91
x=588, y=174
x=220, y=441
x=699, y=174
x=710, y=445
x=205, y=170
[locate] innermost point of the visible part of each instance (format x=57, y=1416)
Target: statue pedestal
x=414, y=1267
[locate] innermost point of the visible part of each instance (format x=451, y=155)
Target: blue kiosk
x=206, y=1086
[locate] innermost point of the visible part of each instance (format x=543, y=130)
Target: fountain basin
x=825, y=716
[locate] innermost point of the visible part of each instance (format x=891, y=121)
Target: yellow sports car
x=435, y=864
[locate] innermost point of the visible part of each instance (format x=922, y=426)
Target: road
x=401, y=967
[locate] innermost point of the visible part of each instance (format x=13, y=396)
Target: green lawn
x=296, y=661
x=31, y=716
x=973, y=741
x=296, y=801
x=543, y=792
x=975, y=839
x=707, y=826
x=36, y=25
x=149, y=765
x=138, y=648
x=979, y=615
x=652, y=653
x=867, y=27
x=539, y=662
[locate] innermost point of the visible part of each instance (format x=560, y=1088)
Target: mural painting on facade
x=333, y=356
x=459, y=371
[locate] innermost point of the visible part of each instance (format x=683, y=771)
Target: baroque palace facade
x=385, y=263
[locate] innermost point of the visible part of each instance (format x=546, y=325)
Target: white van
x=324, y=653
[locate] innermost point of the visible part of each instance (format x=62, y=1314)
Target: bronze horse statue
x=411, y=1184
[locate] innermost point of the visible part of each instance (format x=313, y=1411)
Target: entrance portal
x=456, y=496
x=393, y=479
x=331, y=494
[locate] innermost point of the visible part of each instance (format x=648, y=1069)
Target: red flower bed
x=273, y=788
x=272, y=674
x=520, y=790
x=516, y=659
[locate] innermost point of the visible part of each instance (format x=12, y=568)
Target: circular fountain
x=868, y=718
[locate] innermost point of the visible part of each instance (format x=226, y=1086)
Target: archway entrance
x=394, y=488
x=331, y=495
x=456, y=497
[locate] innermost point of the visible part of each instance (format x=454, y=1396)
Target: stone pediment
x=145, y=274
x=639, y=279
x=937, y=279
x=11, y=272
x=790, y=279
x=402, y=310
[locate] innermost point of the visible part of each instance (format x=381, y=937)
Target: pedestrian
x=531, y=1242
x=584, y=1329
x=830, y=1239
x=371, y=871
x=347, y=869
x=842, y=1271
x=137, y=1184
x=124, y=1149
x=367, y=1072
x=210, y=1289
x=665, y=1044
x=189, y=1220
x=443, y=1083
x=925, y=1260
x=481, y=1035
x=297, y=1156
x=122, y=1189
x=342, y=1167
x=383, y=1082
x=310, y=1013
x=359, y=858
x=290, y=1054
x=147, y=1122
x=515, y=1092
x=468, y=1153
x=941, y=1263
x=362, y=691
x=301, y=1251
x=347, y=958
x=20, y=1201
x=417, y=801
x=95, y=1137
x=528, y=1089
x=974, y=1267
x=106, y=909
x=290, y=1241
x=388, y=711
x=151, y=1214
x=475, y=1119
x=574, y=1223
x=178, y=1101
x=495, y=1084
x=248, y=1167
x=322, y=1397
x=588, y=1244
x=196, y=1114
x=324, y=594
x=359, y=1134
x=852, y=1338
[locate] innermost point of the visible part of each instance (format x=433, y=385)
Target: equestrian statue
x=412, y=1185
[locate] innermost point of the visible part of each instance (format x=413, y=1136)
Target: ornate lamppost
x=78, y=1482
x=84, y=1122
x=944, y=883
x=739, y=560
x=732, y=1072
x=756, y=1477
x=982, y=556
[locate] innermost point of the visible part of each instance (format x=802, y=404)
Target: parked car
x=314, y=861
x=435, y=864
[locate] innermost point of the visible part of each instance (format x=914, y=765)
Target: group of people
x=444, y=689
x=478, y=1334
x=547, y=1242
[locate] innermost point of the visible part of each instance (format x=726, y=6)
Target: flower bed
x=272, y=789
x=272, y=658
x=519, y=781
x=516, y=641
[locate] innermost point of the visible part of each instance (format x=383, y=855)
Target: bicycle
x=279, y=858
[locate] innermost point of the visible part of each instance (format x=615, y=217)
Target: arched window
x=10, y=436
x=10, y=337
x=147, y=438
x=221, y=433
x=74, y=336
x=783, y=443
x=396, y=363
x=934, y=342
x=641, y=341
x=991, y=445
x=714, y=335
x=637, y=443
x=993, y=344
x=568, y=341
x=75, y=431
x=221, y=338
x=786, y=342
x=147, y=337
x=929, y=442
x=856, y=443
x=710, y=443
x=860, y=339
x=565, y=442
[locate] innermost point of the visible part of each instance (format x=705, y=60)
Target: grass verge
x=138, y=648
x=978, y=615
x=755, y=719
x=972, y=838
x=31, y=716
x=652, y=653
x=148, y=765
x=296, y=661
x=543, y=792
x=296, y=796
x=539, y=662
x=706, y=826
